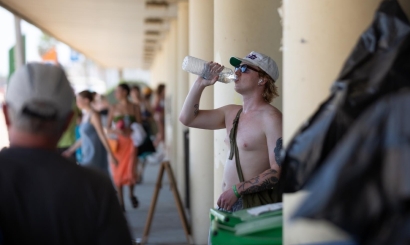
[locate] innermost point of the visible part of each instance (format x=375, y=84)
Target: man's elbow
x=183, y=120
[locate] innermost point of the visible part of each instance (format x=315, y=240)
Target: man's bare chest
x=250, y=135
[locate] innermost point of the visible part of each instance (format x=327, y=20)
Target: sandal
x=135, y=202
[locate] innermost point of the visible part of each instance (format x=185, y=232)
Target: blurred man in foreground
x=44, y=198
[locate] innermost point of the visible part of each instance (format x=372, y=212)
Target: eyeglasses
x=244, y=68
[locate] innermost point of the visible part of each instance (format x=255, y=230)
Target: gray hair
x=39, y=126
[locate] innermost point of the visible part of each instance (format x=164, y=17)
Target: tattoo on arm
x=262, y=182
x=277, y=151
x=196, y=110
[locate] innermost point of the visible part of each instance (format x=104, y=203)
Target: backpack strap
x=234, y=146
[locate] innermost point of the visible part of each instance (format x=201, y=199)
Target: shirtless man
x=259, y=134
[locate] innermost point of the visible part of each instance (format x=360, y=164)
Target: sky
x=33, y=37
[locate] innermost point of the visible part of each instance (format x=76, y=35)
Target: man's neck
x=28, y=140
x=252, y=102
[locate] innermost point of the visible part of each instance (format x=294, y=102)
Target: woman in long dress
x=93, y=142
x=120, y=118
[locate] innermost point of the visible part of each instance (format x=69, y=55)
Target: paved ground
x=166, y=226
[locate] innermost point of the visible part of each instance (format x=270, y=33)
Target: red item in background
x=120, y=124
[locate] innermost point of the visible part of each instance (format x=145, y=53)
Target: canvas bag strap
x=234, y=147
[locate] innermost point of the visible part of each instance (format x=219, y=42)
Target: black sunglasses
x=244, y=68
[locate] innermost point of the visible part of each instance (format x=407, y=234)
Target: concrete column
x=201, y=142
x=18, y=49
x=318, y=36
x=241, y=26
x=182, y=85
x=171, y=118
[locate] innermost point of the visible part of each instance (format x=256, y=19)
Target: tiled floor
x=166, y=227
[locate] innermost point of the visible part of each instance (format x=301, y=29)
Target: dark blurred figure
x=146, y=110
x=159, y=114
x=45, y=199
x=146, y=147
x=143, y=102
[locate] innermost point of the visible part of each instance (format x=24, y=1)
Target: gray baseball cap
x=40, y=90
x=266, y=63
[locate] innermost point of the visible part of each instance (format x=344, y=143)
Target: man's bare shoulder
x=230, y=109
x=271, y=111
x=272, y=116
x=230, y=112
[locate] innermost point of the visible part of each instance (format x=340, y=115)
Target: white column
x=18, y=49
x=242, y=26
x=318, y=37
x=201, y=145
x=182, y=85
x=171, y=96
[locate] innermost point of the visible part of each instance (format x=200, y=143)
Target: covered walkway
x=309, y=40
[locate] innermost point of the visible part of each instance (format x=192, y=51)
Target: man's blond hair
x=271, y=90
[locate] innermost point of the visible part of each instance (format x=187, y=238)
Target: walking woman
x=94, y=145
x=120, y=118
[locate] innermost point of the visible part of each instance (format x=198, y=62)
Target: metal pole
x=18, y=49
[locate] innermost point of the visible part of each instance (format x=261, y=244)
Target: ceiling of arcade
x=113, y=33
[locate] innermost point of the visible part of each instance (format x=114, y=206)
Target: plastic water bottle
x=200, y=67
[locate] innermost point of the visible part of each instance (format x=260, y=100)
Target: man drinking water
x=254, y=131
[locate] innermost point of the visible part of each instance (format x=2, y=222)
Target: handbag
x=138, y=134
x=257, y=198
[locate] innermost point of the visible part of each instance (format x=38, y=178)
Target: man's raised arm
x=191, y=116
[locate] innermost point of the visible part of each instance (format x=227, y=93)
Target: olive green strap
x=234, y=147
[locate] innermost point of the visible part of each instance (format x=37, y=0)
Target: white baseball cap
x=40, y=90
x=266, y=63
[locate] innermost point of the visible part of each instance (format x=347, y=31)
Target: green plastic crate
x=242, y=228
